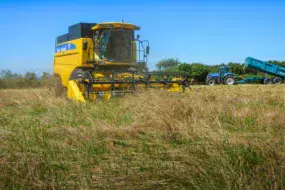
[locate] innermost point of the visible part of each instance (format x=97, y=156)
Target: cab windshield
x=224, y=70
x=116, y=45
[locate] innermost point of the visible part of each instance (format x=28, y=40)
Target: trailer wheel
x=267, y=81
x=230, y=80
x=211, y=82
x=277, y=80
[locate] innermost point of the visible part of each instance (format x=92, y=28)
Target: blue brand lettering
x=64, y=47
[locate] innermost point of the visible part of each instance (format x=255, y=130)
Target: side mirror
x=147, y=50
x=84, y=46
x=138, y=36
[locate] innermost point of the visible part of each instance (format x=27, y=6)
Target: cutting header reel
x=92, y=85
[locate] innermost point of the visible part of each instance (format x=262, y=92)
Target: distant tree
x=214, y=68
x=46, y=76
x=30, y=76
x=237, y=68
x=280, y=63
x=186, y=68
x=167, y=64
x=8, y=79
x=30, y=79
x=47, y=79
x=199, y=71
x=6, y=74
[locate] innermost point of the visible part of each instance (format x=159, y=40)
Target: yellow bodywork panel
x=70, y=55
x=73, y=92
x=107, y=96
x=175, y=88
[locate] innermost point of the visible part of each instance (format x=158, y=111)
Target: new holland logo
x=65, y=47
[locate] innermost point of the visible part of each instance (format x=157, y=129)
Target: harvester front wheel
x=77, y=75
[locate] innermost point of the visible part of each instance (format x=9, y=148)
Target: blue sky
x=210, y=32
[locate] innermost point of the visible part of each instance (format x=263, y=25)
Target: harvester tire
x=77, y=75
x=211, y=82
x=230, y=80
x=267, y=81
x=277, y=80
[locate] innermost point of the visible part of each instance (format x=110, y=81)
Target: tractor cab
x=224, y=71
x=115, y=43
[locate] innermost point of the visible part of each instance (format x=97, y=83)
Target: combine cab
x=100, y=60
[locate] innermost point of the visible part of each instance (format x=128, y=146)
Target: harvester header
x=102, y=59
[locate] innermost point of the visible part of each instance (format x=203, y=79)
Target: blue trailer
x=268, y=68
x=224, y=76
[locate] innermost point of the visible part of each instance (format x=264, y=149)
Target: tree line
x=199, y=71
x=8, y=79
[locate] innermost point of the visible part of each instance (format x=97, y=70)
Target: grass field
x=207, y=138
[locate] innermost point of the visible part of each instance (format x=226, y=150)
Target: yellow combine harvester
x=99, y=60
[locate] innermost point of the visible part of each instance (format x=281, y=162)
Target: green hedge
x=9, y=80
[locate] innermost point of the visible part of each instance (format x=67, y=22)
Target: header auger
x=100, y=60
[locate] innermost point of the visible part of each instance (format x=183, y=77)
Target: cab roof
x=110, y=25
